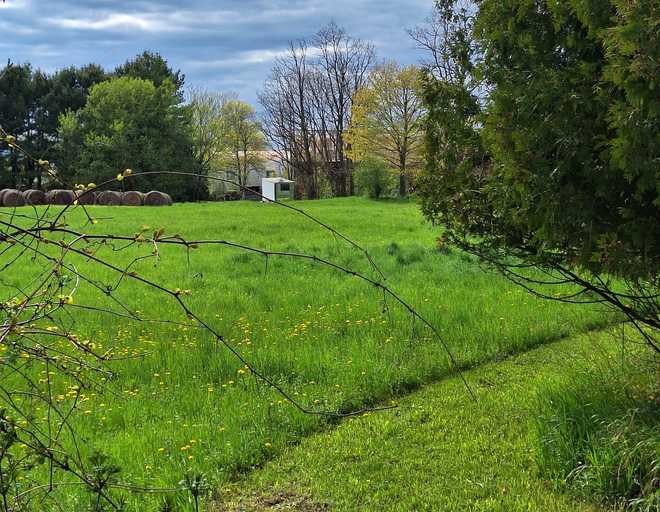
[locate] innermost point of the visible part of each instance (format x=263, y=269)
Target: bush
x=373, y=178
x=599, y=436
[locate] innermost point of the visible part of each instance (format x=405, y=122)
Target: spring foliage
x=387, y=121
x=127, y=122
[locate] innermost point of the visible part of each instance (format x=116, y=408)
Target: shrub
x=373, y=178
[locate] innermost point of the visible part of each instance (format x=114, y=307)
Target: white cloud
x=162, y=20
x=14, y=4
x=145, y=23
x=12, y=28
x=220, y=43
x=245, y=58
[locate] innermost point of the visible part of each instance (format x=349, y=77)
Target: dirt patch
x=281, y=500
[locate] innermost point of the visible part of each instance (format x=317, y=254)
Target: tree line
x=336, y=121
x=329, y=105
x=90, y=123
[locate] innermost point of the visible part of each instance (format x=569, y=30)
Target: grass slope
x=182, y=402
x=439, y=451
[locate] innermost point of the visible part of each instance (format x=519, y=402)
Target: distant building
x=271, y=167
x=276, y=189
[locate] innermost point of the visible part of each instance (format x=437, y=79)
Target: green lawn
x=185, y=403
x=439, y=451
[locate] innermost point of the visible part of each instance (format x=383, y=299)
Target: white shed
x=276, y=189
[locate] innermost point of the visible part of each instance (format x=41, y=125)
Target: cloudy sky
x=225, y=45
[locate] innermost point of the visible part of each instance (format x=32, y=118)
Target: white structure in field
x=276, y=189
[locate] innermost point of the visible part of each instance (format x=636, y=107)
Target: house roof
x=277, y=179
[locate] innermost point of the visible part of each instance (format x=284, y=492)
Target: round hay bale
x=155, y=198
x=132, y=198
x=35, y=197
x=2, y=193
x=85, y=197
x=108, y=198
x=12, y=197
x=60, y=197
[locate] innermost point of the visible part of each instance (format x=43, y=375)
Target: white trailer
x=276, y=189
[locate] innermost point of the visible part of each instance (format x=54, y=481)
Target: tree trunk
x=403, y=186
x=311, y=188
x=343, y=174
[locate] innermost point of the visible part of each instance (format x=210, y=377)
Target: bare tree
x=444, y=38
x=307, y=103
x=344, y=64
x=288, y=116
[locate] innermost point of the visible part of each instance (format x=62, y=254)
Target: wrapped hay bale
x=2, y=193
x=85, y=197
x=109, y=198
x=155, y=198
x=35, y=197
x=60, y=197
x=12, y=197
x=132, y=198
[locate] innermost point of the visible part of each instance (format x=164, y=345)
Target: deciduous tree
x=308, y=103
x=342, y=69
x=243, y=139
x=288, y=117
x=130, y=123
x=206, y=130
x=387, y=121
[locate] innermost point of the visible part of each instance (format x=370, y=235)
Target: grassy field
x=184, y=403
x=437, y=451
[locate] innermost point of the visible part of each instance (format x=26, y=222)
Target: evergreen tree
x=551, y=159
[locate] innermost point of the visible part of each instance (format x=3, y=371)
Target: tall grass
x=599, y=430
x=181, y=403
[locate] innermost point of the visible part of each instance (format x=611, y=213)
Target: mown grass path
x=439, y=451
